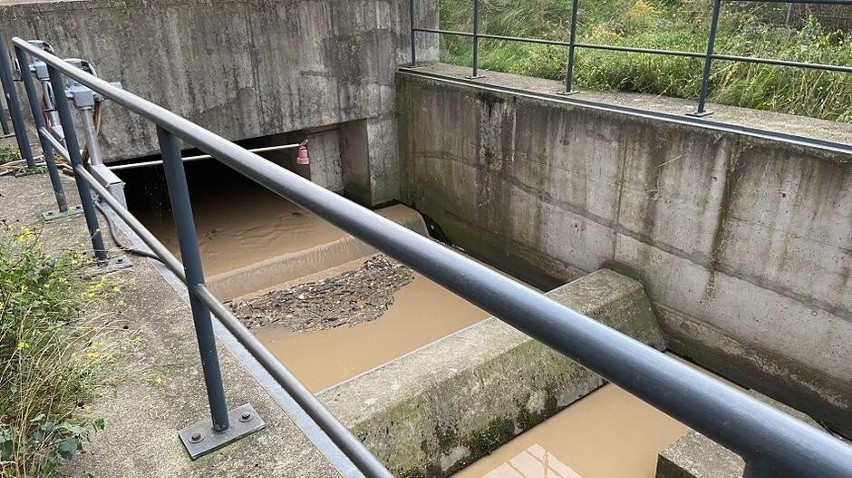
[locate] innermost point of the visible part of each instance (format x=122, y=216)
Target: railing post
x=475, y=73
x=572, y=42
x=191, y=257
x=14, y=106
x=3, y=123
x=413, y=19
x=77, y=161
x=708, y=61
x=38, y=119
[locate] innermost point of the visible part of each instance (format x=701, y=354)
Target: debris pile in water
x=350, y=298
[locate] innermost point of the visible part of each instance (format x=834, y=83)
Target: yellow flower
x=23, y=345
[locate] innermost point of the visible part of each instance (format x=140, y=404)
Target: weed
x=52, y=357
x=663, y=24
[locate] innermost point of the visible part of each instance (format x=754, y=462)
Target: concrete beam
x=696, y=456
x=439, y=408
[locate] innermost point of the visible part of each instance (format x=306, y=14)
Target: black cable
x=118, y=243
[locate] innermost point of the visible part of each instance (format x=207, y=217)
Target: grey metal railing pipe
x=73, y=149
x=14, y=106
x=339, y=434
x=38, y=121
x=572, y=46
x=191, y=256
x=91, y=132
x=475, y=73
x=758, y=432
x=4, y=125
x=708, y=60
x=57, y=145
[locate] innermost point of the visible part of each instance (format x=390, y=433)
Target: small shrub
x=51, y=357
x=9, y=154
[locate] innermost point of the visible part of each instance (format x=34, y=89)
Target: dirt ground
x=353, y=297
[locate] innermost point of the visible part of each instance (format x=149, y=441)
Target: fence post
x=38, y=120
x=77, y=161
x=475, y=73
x=708, y=61
x=191, y=258
x=14, y=106
x=3, y=123
x=572, y=41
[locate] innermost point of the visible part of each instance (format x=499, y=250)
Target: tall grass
x=665, y=24
x=52, y=357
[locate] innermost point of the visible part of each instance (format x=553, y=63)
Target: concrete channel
x=396, y=375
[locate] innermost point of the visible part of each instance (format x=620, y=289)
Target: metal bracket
x=200, y=438
x=567, y=93
x=106, y=267
x=699, y=114
x=471, y=77
x=55, y=214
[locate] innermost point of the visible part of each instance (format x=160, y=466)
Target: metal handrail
x=770, y=441
x=708, y=55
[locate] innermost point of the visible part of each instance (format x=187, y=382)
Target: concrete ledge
x=433, y=411
x=288, y=267
x=696, y=456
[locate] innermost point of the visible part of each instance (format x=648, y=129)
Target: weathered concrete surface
x=440, y=407
x=744, y=245
x=241, y=69
x=161, y=388
x=288, y=267
x=696, y=456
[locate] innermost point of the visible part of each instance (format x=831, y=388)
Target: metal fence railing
x=709, y=55
x=771, y=442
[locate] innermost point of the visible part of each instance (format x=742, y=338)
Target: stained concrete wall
x=241, y=69
x=744, y=245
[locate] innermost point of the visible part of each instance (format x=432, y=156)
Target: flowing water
x=251, y=224
x=422, y=312
x=607, y=434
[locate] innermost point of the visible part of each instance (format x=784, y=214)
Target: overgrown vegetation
x=9, y=154
x=750, y=29
x=52, y=357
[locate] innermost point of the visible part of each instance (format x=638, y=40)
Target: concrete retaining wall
x=433, y=411
x=241, y=69
x=744, y=245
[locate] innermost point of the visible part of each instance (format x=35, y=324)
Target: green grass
x=54, y=356
x=745, y=30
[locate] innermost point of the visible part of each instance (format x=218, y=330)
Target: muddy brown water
x=606, y=434
x=422, y=312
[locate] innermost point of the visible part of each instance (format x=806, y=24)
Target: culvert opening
x=325, y=303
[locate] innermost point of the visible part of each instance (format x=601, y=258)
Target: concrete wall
x=744, y=245
x=433, y=411
x=241, y=69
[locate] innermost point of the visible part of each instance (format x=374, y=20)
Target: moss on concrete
x=434, y=411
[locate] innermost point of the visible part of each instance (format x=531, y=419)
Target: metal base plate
x=55, y=214
x=567, y=93
x=471, y=77
x=699, y=115
x=200, y=439
x=111, y=265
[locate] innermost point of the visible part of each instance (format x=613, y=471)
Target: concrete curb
x=441, y=407
x=288, y=267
